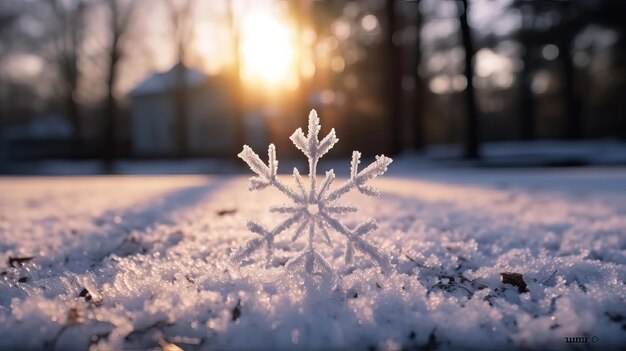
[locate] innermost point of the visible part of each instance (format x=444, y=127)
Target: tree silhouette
x=237, y=86
x=395, y=80
x=68, y=26
x=7, y=20
x=419, y=135
x=472, y=138
x=180, y=13
x=120, y=15
x=573, y=17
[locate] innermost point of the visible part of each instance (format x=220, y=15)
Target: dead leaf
x=85, y=293
x=225, y=212
x=515, y=279
x=19, y=260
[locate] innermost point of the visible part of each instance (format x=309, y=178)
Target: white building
x=153, y=128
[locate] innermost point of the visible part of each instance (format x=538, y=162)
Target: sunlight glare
x=268, y=51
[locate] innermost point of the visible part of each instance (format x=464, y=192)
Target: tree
x=572, y=16
x=237, y=88
x=68, y=34
x=301, y=12
x=180, y=13
x=561, y=33
x=527, y=101
x=7, y=19
x=395, y=78
x=120, y=15
x=577, y=15
x=472, y=138
x=418, y=108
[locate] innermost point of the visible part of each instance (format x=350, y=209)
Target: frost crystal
x=314, y=210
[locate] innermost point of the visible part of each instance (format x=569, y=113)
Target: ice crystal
x=314, y=210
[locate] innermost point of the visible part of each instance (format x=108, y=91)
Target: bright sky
x=267, y=42
x=268, y=50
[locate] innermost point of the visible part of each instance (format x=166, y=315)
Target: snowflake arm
x=340, y=209
x=358, y=179
x=300, y=230
x=285, y=209
x=309, y=257
x=299, y=184
x=266, y=239
x=354, y=241
x=328, y=179
x=266, y=174
x=325, y=235
x=312, y=147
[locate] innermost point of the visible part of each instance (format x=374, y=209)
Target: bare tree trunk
x=182, y=103
x=3, y=25
x=472, y=139
x=419, y=140
x=110, y=113
x=182, y=27
x=68, y=44
x=7, y=20
x=120, y=18
x=572, y=107
x=394, y=93
x=182, y=23
x=73, y=108
x=527, y=106
x=2, y=102
x=73, y=113
x=71, y=76
x=237, y=88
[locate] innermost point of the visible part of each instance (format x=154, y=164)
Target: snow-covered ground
x=127, y=262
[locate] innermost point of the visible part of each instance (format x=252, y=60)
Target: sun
x=267, y=51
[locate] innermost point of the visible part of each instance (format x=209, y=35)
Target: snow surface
x=149, y=255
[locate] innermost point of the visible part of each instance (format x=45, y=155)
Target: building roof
x=165, y=82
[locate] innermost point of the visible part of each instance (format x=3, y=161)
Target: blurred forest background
x=125, y=79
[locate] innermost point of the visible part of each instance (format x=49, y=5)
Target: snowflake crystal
x=313, y=211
